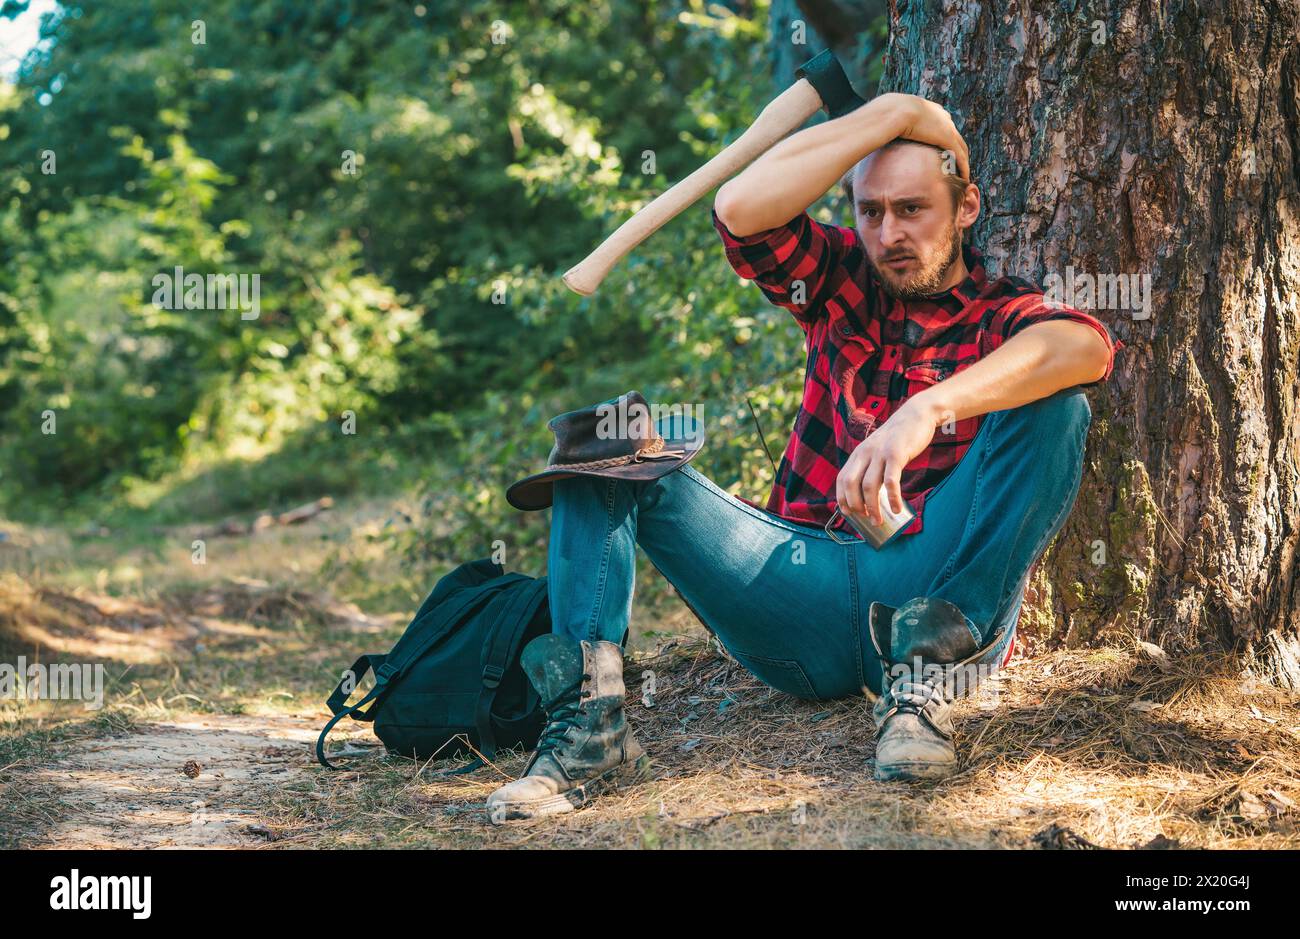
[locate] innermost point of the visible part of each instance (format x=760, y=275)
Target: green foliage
x=408, y=191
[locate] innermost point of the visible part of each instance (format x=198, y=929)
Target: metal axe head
x=826, y=75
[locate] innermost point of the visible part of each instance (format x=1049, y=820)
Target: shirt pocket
x=855, y=358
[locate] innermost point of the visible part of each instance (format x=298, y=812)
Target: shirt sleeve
x=1029, y=309
x=801, y=250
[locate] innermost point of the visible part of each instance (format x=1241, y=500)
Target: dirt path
x=150, y=770
x=188, y=783
x=214, y=703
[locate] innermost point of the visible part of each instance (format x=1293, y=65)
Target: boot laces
x=563, y=713
x=913, y=695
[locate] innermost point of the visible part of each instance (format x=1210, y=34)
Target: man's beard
x=929, y=278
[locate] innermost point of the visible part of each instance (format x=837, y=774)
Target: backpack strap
x=500, y=651
x=469, y=574
x=445, y=616
x=337, y=701
x=391, y=666
x=320, y=741
x=353, y=677
x=476, y=763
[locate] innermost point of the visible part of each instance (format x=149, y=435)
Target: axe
x=821, y=84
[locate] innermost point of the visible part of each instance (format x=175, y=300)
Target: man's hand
x=881, y=458
x=927, y=122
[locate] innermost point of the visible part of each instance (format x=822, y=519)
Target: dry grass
x=1063, y=760
x=1113, y=747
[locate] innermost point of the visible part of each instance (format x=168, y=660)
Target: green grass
x=210, y=485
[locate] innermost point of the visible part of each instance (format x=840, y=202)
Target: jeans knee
x=1057, y=414
x=648, y=493
x=569, y=487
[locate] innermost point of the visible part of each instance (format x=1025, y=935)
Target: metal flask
x=875, y=535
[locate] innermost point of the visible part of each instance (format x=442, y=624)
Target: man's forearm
x=799, y=170
x=1034, y=363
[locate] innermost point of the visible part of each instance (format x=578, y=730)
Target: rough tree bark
x=1158, y=138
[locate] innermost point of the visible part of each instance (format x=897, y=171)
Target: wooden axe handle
x=781, y=116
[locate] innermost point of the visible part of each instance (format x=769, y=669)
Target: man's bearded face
x=907, y=221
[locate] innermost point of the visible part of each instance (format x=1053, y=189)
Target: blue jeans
x=789, y=602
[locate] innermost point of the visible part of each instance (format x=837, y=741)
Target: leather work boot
x=586, y=745
x=929, y=657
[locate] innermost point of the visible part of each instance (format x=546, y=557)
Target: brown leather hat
x=616, y=438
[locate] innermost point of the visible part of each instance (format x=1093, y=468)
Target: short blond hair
x=956, y=185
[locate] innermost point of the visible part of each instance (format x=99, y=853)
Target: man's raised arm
x=799, y=170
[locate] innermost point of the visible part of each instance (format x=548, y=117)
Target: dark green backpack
x=453, y=680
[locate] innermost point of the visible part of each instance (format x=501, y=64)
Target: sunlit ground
x=216, y=675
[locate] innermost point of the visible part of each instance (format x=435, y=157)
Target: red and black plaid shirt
x=868, y=353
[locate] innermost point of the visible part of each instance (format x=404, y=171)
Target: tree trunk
x=848, y=27
x=1157, y=139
